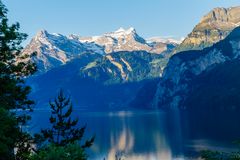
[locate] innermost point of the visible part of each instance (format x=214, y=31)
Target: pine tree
x=64, y=129
x=8, y=133
x=13, y=66
x=13, y=92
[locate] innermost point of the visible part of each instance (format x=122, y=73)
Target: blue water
x=152, y=135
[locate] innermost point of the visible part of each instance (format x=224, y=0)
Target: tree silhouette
x=64, y=129
x=14, y=67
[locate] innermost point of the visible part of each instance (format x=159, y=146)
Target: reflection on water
x=123, y=143
x=145, y=135
x=134, y=136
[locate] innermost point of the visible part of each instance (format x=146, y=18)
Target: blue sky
x=93, y=17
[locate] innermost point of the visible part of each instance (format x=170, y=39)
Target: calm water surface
x=152, y=135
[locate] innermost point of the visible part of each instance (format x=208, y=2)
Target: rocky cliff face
x=54, y=50
x=96, y=82
x=120, y=67
x=184, y=67
x=216, y=89
x=213, y=27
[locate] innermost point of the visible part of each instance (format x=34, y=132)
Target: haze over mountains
x=119, y=68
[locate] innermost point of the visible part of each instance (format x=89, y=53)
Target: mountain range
x=54, y=49
x=121, y=69
x=185, y=71
x=93, y=67
x=196, y=56
x=213, y=27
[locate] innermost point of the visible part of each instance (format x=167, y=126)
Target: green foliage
x=203, y=36
x=215, y=155
x=216, y=89
x=13, y=65
x=8, y=131
x=212, y=155
x=69, y=152
x=13, y=93
x=64, y=129
x=12, y=137
x=24, y=146
x=136, y=66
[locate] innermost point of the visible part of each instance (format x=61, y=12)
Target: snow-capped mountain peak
x=54, y=49
x=125, y=31
x=121, y=32
x=41, y=35
x=123, y=40
x=165, y=40
x=121, y=29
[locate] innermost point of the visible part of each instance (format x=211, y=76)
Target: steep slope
x=54, y=50
x=183, y=68
x=112, y=80
x=145, y=95
x=121, y=67
x=89, y=68
x=213, y=27
x=86, y=93
x=216, y=89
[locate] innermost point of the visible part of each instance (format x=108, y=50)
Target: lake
x=153, y=135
